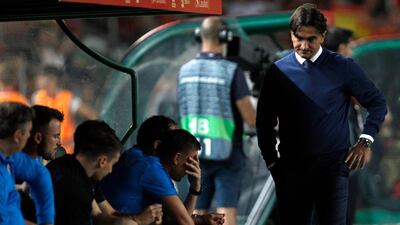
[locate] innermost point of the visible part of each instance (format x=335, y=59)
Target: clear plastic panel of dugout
x=45, y=67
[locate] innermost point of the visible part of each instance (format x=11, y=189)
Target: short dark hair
x=153, y=129
x=177, y=141
x=308, y=15
x=94, y=138
x=336, y=36
x=43, y=116
x=13, y=116
x=51, y=71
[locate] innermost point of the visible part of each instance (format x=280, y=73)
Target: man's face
x=51, y=140
x=45, y=82
x=306, y=41
x=345, y=49
x=105, y=166
x=179, y=169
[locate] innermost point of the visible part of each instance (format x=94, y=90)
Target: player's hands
x=194, y=172
x=209, y=219
x=358, y=157
x=216, y=218
x=151, y=214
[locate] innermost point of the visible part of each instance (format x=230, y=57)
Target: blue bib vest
x=205, y=108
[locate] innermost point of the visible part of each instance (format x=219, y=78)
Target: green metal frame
x=375, y=45
x=251, y=24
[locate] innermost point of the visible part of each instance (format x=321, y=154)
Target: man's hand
x=209, y=219
x=358, y=157
x=24, y=187
x=194, y=172
x=216, y=218
x=152, y=213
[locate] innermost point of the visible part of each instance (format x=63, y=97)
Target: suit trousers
x=317, y=185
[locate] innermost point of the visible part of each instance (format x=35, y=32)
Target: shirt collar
x=313, y=59
x=209, y=55
x=5, y=160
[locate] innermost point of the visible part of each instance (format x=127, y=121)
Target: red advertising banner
x=195, y=6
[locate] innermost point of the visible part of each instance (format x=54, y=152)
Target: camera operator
x=214, y=112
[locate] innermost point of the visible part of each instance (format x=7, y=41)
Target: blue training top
x=21, y=166
x=137, y=181
x=312, y=106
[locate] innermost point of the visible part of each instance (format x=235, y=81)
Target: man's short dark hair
x=94, y=138
x=153, y=129
x=43, y=117
x=336, y=36
x=308, y=15
x=12, y=117
x=51, y=71
x=177, y=141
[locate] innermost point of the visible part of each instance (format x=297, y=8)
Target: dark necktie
x=307, y=64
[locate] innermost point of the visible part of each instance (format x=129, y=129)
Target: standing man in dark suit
x=309, y=92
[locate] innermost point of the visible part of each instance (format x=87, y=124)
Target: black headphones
x=225, y=35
